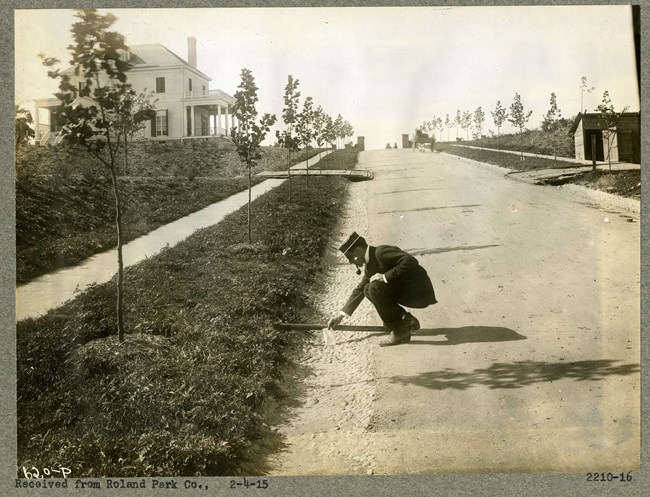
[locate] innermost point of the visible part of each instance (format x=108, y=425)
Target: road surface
x=530, y=360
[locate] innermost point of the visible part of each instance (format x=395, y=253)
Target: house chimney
x=191, y=51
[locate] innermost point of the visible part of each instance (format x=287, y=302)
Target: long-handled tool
x=328, y=334
x=340, y=327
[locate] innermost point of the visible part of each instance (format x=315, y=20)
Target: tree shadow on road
x=410, y=190
x=395, y=179
x=518, y=374
x=466, y=334
x=431, y=208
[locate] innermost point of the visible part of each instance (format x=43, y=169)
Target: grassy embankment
x=623, y=183
x=65, y=209
x=192, y=388
x=504, y=159
x=533, y=141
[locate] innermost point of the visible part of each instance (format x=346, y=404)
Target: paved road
x=530, y=360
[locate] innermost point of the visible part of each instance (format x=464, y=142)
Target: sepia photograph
x=259, y=244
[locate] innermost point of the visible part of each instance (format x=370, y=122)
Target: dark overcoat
x=402, y=271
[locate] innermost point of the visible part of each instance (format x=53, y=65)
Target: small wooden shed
x=626, y=145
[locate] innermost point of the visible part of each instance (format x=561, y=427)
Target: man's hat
x=352, y=241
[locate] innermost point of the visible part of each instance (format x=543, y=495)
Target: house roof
x=151, y=56
x=157, y=55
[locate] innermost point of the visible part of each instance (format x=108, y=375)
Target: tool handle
x=317, y=326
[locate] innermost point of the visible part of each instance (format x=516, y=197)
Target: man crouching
x=391, y=279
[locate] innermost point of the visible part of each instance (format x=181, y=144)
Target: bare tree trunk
x=120, y=260
x=126, y=158
x=609, y=152
x=250, y=240
x=289, y=173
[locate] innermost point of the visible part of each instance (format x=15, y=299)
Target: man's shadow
x=455, y=336
x=465, y=334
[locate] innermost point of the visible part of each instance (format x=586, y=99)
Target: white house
x=186, y=107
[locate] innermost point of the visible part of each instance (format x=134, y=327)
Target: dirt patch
x=622, y=183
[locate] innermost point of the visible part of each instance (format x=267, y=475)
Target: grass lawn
x=194, y=385
x=64, y=218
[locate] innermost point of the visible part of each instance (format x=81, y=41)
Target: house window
x=160, y=85
x=190, y=84
x=159, y=124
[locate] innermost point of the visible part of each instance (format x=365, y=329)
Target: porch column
x=227, y=127
x=218, y=119
x=192, y=131
x=38, y=126
x=184, y=129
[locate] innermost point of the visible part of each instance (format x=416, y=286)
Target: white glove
x=334, y=321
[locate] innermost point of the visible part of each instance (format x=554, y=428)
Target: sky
x=386, y=70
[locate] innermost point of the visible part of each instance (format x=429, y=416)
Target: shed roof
x=593, y=116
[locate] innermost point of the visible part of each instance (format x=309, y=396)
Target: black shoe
x=395, y=338
x=409, y=322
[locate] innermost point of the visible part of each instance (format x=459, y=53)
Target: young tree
x=90, y=110
x=479, y=119
x=138, y=110
x=23, y=130
x=347, y=130
x=608, y=122
x=439, y=125
x=518, y=117
x=584, y=88
x=426, y=127
x=304, y=126
x=458, y=120
x=329, y=134
x=447, y=125
x=318, y=127
x=249, y=134
x=466, y=122
x=552, y=123
x=499, y=116
x=286, y=138
x=338, y=129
